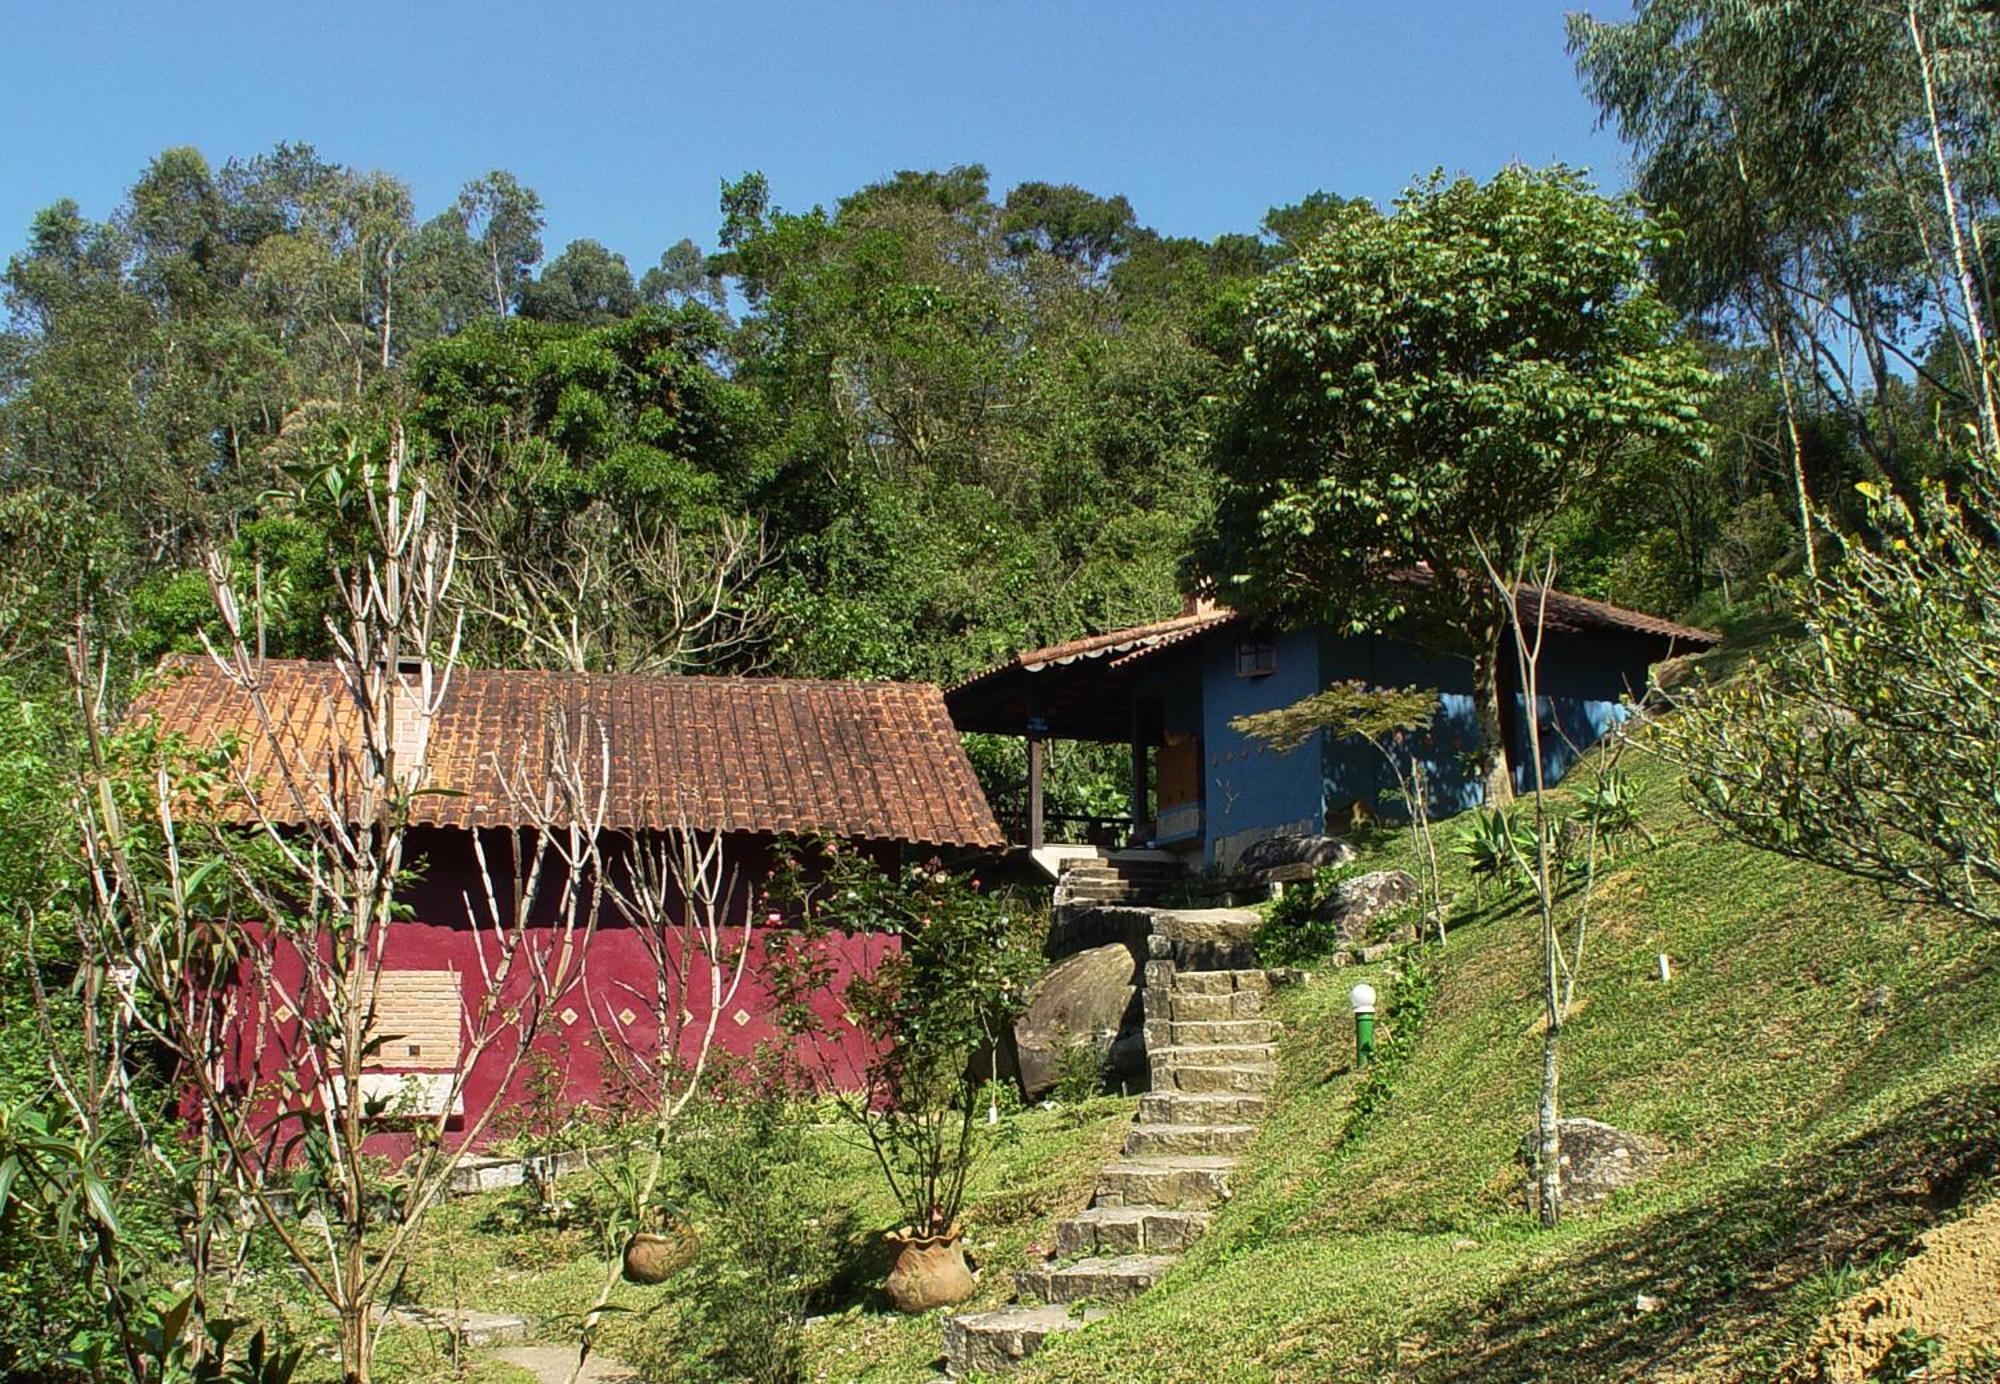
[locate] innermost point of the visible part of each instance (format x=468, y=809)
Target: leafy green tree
x=1872, y=746
x=1430, y=383
x=1829, y=166
x=503, y=220
x=586, y=284
x=1064, y=220
x=601, y=481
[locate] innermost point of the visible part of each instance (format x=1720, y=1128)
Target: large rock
x=1089, y=998
x=1279, y=859
x=1597, y=1159
x=1353, y=904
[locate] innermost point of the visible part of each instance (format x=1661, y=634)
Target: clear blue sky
x=624, y=116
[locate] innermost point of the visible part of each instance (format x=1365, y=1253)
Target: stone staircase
x=1132, y=878
x=1213, y=1061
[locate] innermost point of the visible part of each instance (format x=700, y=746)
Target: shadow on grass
x=1724, y=1268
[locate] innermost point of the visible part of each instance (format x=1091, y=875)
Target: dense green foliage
x=1872, y=745
x=1429, y=387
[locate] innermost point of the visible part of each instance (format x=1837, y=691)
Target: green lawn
x=1817, y=1125
x=1813, y=1135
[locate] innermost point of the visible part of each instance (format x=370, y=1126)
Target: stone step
x=1221, y=982
x=1255, y=1076
x=1215, y=1055
x=1146, y=1139
x=1175, y=1184
x=1183, y=1007
x=995, y=1342
x=1104, y=1279
x=1205, y=1032
x=1205, y=1107
x=1130, y=1230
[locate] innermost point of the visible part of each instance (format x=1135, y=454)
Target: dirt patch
x=1947, y=1293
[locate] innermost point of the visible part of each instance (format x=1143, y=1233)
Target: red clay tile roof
x=1563, y=611
x=1571, y=614
x=1114, y=642
x=870, y=760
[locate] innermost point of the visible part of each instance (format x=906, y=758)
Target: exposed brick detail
x=418, y=1012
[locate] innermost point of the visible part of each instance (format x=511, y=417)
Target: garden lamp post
x=1362, y=1000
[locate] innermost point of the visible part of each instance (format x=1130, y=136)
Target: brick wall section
x=420, y=1013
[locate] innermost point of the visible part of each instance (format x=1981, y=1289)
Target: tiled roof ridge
x=1160, y=634
x=198, y=661
x=1082, y=645
x=875, y=760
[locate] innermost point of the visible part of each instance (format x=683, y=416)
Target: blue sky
x=624, y=116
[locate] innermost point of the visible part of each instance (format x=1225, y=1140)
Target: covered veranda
x=1084, y=689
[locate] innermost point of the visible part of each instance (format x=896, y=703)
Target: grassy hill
x=1826, y=1068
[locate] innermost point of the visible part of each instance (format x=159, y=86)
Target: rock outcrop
x=1091, y=998
x=1597, y=1159
x=1353, y=904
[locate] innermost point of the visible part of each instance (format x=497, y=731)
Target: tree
x=1422, y=384
x=586, y=284
x=599, y=480
x=504, y=221
x=318, y=863
x=1830, y=167
x=1872, y=746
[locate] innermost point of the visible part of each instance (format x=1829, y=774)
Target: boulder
x=1597, y=1159
x=1353, y=904
x=1090, y=997
x=1267, y=861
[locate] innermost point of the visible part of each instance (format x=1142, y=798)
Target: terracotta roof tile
x=856, y=759
x=1574, y=614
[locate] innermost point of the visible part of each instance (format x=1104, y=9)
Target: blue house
x=1170, y=689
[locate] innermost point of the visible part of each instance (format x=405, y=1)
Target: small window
x=1256, y=658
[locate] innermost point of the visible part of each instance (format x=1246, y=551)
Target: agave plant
x=1495, y=845
x=1611, y=806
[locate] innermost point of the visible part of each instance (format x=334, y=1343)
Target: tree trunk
x=1494, y=778
x=1548, y=1157
x=357, y=1343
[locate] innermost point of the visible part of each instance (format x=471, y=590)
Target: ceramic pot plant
x=918, y=1017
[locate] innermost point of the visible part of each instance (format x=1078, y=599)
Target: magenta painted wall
x=602, y=1030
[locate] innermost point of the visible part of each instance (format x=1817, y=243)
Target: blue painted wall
x=1250, y=788
x=1253, y=790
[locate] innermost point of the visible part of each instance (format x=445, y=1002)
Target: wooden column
x=1139, y=748
x=1034, y=790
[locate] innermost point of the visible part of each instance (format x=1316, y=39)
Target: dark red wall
x=607, y=1022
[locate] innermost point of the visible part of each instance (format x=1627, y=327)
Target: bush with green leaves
x=744, y=1169
x=926, y=1009
x=1872, y=745
x=1292, y=933
x=1495, y=845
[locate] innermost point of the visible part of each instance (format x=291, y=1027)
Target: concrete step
x=1206, y=1107
x=1104, y=1279
x=1149, y=1139
x=1130, y=1230
x=1197, y=1008
x=1254, y=1076
x=1203, y=1032
x=1221, y=982
x=995, y=1342
x=1179, y=1183
x=1215, y=1055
